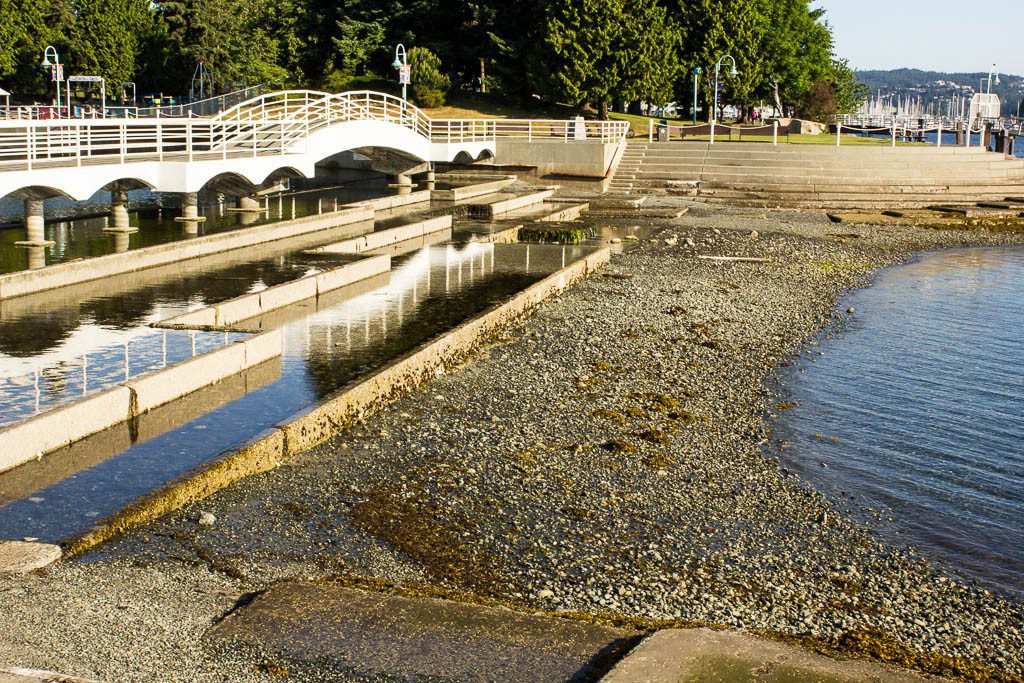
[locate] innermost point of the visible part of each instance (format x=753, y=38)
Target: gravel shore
x=612, y=455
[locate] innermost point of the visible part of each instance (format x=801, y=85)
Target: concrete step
x=741, y=148
x=982, y=192
x=803, y=175
x=993, y=163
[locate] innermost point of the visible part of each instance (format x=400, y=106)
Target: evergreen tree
x=597, y=51
x=104, y=38
x=26, y=28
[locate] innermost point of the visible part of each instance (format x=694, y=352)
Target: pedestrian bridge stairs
x=812, y=176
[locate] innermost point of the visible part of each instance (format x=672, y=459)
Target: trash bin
x=662, y=132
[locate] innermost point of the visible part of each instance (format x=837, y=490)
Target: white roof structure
x=4, y=93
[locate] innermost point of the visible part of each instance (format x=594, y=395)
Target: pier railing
x=277, y=123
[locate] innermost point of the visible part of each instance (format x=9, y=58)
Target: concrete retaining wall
x=62, y=426
x=385, y=238
x=259, y=303
x=590, y=159
x=315, y=425
x=26, y=282
x=468, y=191
x=506, y=205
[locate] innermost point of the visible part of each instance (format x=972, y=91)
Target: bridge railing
x=277, y=123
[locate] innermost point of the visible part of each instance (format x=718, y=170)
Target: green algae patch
x=618, y=446
x=555, y=234
x=413, y=524
x=609, y=415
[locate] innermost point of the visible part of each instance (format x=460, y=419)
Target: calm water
x=924, y=390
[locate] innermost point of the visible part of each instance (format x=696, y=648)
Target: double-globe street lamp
x=56, y=66
x=401, y=64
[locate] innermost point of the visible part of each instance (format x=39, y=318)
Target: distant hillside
x=938, y=86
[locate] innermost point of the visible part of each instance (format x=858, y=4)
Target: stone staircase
x=818, y=176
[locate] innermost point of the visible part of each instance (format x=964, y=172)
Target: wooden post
x=775, y=133
x=839, y=133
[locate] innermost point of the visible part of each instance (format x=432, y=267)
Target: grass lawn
x=493, y=109
x=486, y=108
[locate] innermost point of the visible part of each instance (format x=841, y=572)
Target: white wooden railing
x=278, y=123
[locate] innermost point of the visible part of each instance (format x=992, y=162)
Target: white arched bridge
x=276, y=135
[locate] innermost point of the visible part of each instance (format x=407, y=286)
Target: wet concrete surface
x=375, y=636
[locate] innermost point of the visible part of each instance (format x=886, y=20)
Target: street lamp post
x=732, y=72
x=992, y=73
x=401, y=64
x=696, y=84
x=124, y=92
x=56, y=66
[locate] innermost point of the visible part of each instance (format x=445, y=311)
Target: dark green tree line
x=596, y=53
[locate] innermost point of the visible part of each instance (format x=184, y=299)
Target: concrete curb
x=501, y=206
x=16, y=674
x=248, y=306
x=59, y=275
x=349, y=404
x=54, y=429
x=469, y=191
x=570, y=213
x=681, y=655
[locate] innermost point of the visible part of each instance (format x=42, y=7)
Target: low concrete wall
x=248, y=306
x=385, y=238
x=469, y=191
x=62, y=426
x=590, y=159
x=396, y=201
x=569, y=213
x=351, y=403
x=59, y=275
x=501, y=206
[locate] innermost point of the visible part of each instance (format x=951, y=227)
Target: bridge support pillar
x=35, y=225
x=403, y=181
x=247, y=205
x=119, y=212
x=190, y=217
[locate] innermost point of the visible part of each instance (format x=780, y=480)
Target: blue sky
x=942, y=35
